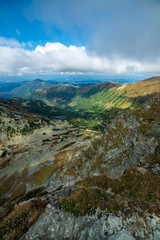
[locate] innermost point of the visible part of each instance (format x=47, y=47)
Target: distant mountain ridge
x=103, y=95
x=40, y=89
x=86, y=105
x=27, y=88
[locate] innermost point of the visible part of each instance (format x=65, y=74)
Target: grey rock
x=98, y=229
x=122, y=235
x=155, y=222
x=49, y=205
x=114, y=223
x=157, y=234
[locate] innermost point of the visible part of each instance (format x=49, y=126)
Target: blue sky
x=40, y=37
x=19, y=22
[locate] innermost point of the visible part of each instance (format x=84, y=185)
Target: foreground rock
x=56, y=224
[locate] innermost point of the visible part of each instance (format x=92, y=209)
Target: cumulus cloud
x=56, y=57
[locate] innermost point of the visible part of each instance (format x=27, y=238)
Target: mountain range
x=80, y=161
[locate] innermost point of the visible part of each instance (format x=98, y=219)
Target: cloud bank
x=56, y=58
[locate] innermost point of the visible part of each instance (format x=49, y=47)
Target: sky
x=111, y=37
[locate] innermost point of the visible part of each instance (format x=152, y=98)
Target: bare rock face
x=122, y=235
x=157, y=234
x=54, y=223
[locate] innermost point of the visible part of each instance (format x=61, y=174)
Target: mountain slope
x=101, y=96
x=119, y=96
x=57, y=93
x=131, y=136
x=88, y=105
x=105, y=186
x=66, y=94
x=110, y=189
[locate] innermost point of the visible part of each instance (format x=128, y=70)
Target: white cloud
x=55, y=57
x=11, y=42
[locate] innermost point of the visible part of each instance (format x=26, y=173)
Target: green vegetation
x=10, y=131
x=32, y=125
x=70, y=206
x=154, y=158
x=27, y=129
x=1, y=122
x=100, y=101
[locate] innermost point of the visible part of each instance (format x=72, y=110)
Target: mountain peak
x=37, y=80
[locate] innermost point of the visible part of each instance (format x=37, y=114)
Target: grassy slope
x=107, y=101
x=120, y=96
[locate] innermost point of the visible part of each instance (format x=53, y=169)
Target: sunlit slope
x=101, y=96
x=119, y=96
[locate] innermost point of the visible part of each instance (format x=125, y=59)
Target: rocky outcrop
x=56, y=224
